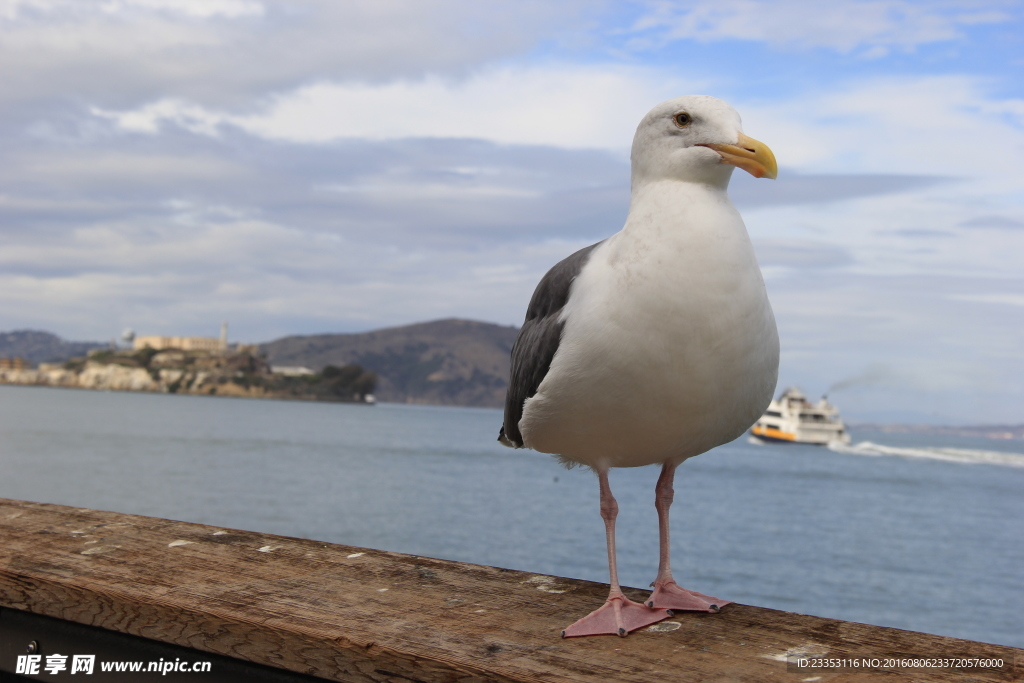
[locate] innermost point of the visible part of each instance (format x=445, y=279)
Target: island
x=242, y=372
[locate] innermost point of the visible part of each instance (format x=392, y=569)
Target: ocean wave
x=962, y=455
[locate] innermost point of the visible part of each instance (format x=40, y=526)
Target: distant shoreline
x=994, y=432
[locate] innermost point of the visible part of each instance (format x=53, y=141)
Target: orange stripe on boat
x=773, y=433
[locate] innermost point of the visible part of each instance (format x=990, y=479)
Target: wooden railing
x=293, y=608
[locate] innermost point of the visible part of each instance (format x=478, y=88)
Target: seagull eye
x=683, y=120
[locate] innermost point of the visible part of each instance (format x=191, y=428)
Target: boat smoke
x=874, y=374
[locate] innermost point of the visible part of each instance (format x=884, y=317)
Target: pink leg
x=619, y=615
x=667, y=593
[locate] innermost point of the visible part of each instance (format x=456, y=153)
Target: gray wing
x=538, y=340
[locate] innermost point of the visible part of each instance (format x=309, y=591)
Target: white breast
x=669, y=346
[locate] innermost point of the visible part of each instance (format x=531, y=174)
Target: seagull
x=656, y=344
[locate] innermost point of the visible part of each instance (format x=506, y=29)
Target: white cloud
x=993, y=222
x=934, y=125
x=267, y=279
x=118, y=169
x=563, y=106
x=387, y=191
x=900, y=234
x=192, y=8
x=13, y=10
x=871, y=27
x=943, y=125
x=1006, y=299
x=150, y=117
x=109, y=53
x=949, y=126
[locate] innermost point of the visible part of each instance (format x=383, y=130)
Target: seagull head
x=697, y=138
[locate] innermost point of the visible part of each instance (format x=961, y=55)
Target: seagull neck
x=677, y=190
x=690, y=202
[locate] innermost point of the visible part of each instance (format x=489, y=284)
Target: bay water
x=912, y=531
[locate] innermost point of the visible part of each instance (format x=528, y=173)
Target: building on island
x=158, y=343
x=291, y=370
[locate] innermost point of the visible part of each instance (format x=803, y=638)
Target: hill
x=42, y=347
x=445, y=362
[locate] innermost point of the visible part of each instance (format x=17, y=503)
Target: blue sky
x=315, y=166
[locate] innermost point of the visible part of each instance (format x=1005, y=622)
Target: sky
x=313, y=166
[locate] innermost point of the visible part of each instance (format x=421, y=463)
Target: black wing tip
x=505, y=441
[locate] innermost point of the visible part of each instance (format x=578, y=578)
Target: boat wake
x=962, y=455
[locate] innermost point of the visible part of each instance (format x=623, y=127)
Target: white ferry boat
x=794, y=419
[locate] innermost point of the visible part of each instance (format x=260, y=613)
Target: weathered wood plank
x=355, y=614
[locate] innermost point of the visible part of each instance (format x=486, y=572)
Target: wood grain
x=354, y=614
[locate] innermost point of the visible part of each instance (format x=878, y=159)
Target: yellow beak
x=752, y=156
